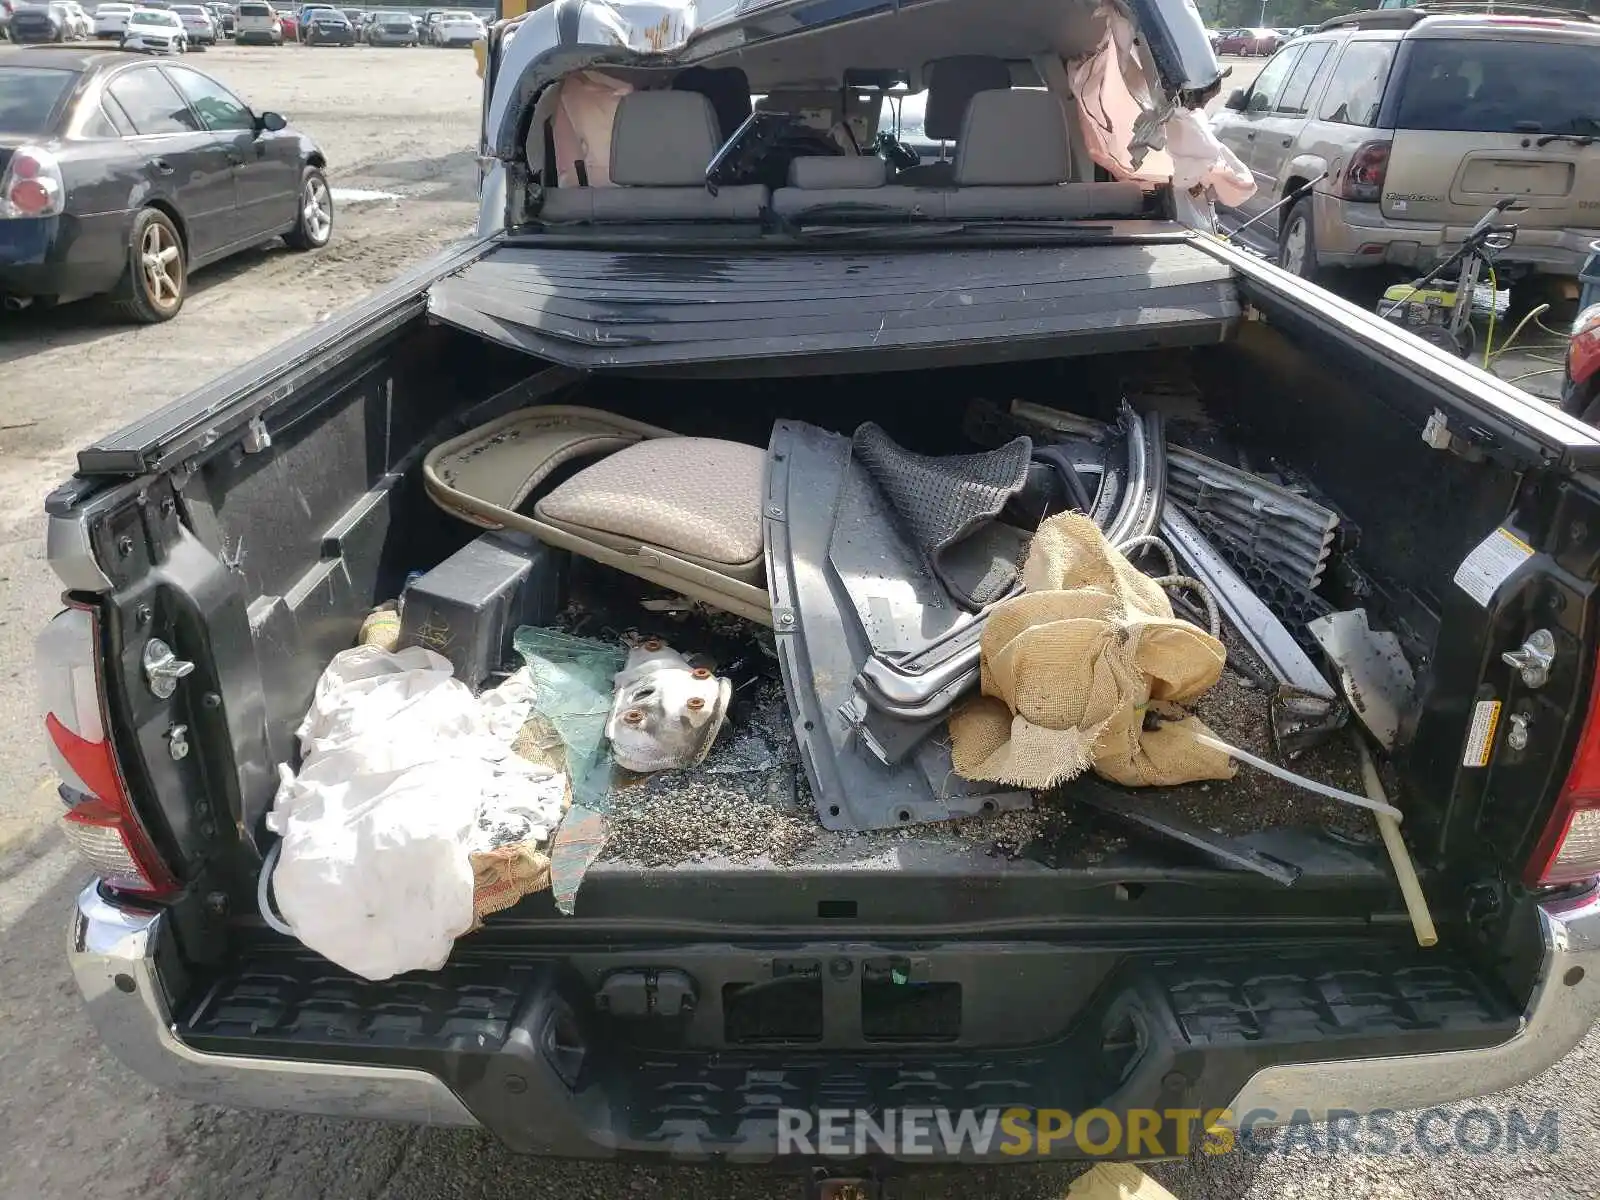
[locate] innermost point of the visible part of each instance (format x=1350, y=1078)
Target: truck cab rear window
x=1501, y=87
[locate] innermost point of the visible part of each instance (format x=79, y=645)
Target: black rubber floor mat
x=836, y=597
x=949, y=508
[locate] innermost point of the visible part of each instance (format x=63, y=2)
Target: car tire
x=152, y=291
x=311, y=232
x=1297, y=243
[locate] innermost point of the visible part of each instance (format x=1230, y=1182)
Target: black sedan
x=122, y=176
x=329, y=27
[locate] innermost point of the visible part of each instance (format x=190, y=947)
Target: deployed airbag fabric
x=404, y=772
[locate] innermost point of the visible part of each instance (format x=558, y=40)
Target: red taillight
x=32, y=185
x=1583, y=351
x=1569, y=849
x=1363, y=178
x=100, y=821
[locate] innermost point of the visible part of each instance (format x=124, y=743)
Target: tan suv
x=1422, y=122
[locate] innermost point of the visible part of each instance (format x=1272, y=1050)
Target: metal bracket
x=163, y=668
x=256, y=437
x=1517, y=737
x=1437, y=433
x=1533, y=658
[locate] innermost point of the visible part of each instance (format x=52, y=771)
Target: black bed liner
x=760, y=311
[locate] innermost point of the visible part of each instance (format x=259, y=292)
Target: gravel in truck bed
x=749, y=802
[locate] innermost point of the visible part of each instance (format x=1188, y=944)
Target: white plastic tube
x=1299, y=781
x=263, y=883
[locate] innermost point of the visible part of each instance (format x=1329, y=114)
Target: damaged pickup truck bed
x=1063, y=954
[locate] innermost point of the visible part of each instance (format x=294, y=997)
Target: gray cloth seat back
x=952, y=83
x=1013, y=138
x=661, y=143
x=1013, y=160
x=823, y=182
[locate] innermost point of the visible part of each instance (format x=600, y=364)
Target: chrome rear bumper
x=1564, y=1005
x=120, y=957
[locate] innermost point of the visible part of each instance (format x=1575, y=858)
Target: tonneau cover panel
x=595, y=308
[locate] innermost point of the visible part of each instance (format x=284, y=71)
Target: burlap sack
x=1087, y=668
x=504, y=875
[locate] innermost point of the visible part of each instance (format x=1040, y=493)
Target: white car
x=457, y=28
x=258, y=21
x=199, y=26
x=79, y=23
x=155, y=31
x=111, y=20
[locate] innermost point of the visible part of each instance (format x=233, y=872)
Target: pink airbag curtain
x=1112, y=95
x=581, y=127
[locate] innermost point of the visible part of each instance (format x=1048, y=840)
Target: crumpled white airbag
x=403, y=768
x=1199, y=159
x=372, y=874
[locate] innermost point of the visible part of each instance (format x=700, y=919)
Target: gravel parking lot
x=73, y=1122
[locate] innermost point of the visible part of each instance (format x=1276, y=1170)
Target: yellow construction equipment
x=504, y=10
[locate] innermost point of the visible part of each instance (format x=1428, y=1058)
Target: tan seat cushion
x=497, y=466
x=698, y=497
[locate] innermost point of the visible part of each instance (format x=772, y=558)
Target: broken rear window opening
x=1056, y=128
x=1501, y=87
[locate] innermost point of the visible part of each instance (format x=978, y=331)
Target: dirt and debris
x=749, y=803
x=1236, y=709
x=743, y=803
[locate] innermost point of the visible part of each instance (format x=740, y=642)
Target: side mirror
x=271, y=122
x=1236, y=100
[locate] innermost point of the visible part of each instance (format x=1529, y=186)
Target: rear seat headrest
x=663, y=139
x=1013, y=139
x=845, y=171
x=952, y=83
